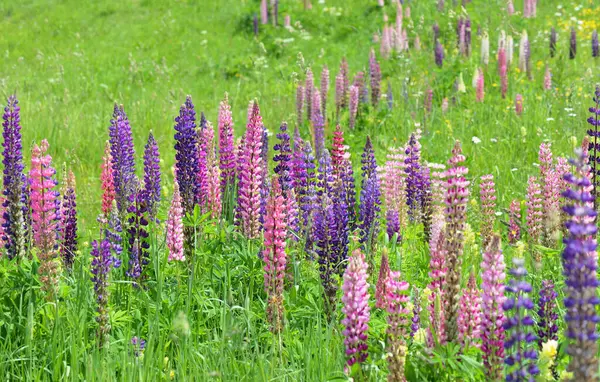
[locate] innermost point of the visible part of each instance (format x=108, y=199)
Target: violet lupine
x=138, y=344
x=398, y=329
x=457, y=194
x=15, y=185
x=437, y=276
x=492, y=299
x=43, y=217
x=392, y=218
x=274, y=256
x=123, y=162
x=113, y=232
x=488, y=208
x=353, y=106
x=152, y=176
x=547, y=328
x=594, y=146
x=580, y=260
x=469, y=317
x=187, y=166
x=226, y=149
x=480, y=89
x=521, y=352
x=175, y=227
x=309, y=91
x=519, y=104
x=416, y=316
x=137, y=234
x=356, y=309
x=381, y=294
x=548, y=79
x=319, y=131
x=534, y=210
x=552, y=42
x=299, y=104
x=414, y=184
x=251, y=173
x=359, y=82
x=595, y=44
x=514, y=223
x=304, y=182
x=439, y=54
x=375, y=78
x=68, y=246
x=265, y=186
x=324, y=90
x=255, y=25
x=573, y=44
x=108, y=184
x=102, y=263
x=283, y=169
x=370, y=198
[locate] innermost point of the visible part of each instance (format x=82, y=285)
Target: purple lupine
x=595, y=44
x=439, y=54
x=521, y=352
x=375, y=78
x=573, y=44
x=342, y=169
x=413, y=177
x=138, y=344
x=547, y=328
x=102, y=263
x=393, y=224
x=339, y=93
x=416, y=321
x=309, y=90
x=580, y=261
x=68, y=246
x=152, y=176
x=325, y=237
x=113, y=233
x=304, y=180
x=370, y=198
x=319, y=130
x=324, y=90
x=123, y=158
x=187, y=166
x=15, y=188
x=137, y=234
x=283, y=169
x=265, y=186
x=426, y=201
x=594, y=146
x=353, y=106
x=552, y=42
x=226, y=149
x=436, y=30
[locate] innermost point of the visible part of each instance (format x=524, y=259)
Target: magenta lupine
x=43, y=217
x=503, y=75
x=398, y=329
x=309, y=91
x=202, y=150
x=457, y=194
x=380, y=289
x=324, y=90
x=175, y=227
x=299, y=104
x=353, y=107
x=488, y=208
x=274, y=256
x=437, y=275
x=519, y=104
x=492, y=299
x=548, y=80
x=375, y=78
x=356, y=308
x=108, y=184
x=534, y=210
x=226, y=148
x=480, y=90
x=514, y=223
x=469, y=316
x=251, y=172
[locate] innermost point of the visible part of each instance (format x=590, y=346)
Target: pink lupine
x=309, y=91
x=339, y=93
x=504, y=79
x=175, y=227
x=353, y=105
x=384, y=48
x=548, y=80
x=398, y=28
x=226, y=146
x=287, y=21
x=428, y=102
x=211, y=187
x=407, y=12
x=43, y=216
x=514, y=222
x=380, y=289
x=356, y=308
x=264, y=12
x=250, y=176
x=394, y=186
x=534, y=210
x=108, y=183
x=398, y=329
x=469, y=317
x=488, y=208
x=324, y=90
x=545, y=159
x=437, y=275
x=492, y=298
x=274, y=256
x=510, y=8
x=480, y=90
x=519, y=104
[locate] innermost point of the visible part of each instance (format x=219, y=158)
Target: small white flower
x=498, y=213
x=514, y=169
x=550, y=119
x=572, y=115
x=494, y=140
x=536, y=165
x=568, y=109
x=476, y=140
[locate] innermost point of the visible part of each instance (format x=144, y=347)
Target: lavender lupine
x=174, y=240
x=375, y=78
x=594, y=146
x=381, y=294
x=274, y=256
x=488, y=208
x=300, y=92
x=319, y=131
x=353, y=106
x=439, y=54
x=102, y=263
x=457, y=194
x=414, y=186
x=137, y=234
x=595, y=44
x=580, y=260
x=469, y=317
x=552, y=42
x=264, y=12
x=251, y=177
x=324, y=90
x=186, y=156
x=398, y=328
x=521, y=352
x=68, y=246
x=514, y=223
x=356, y=309
x=573, y=44
x=416, y=313
x=152, y=176
x=437, y=275
x=123, y=162
x=339, y=93
x=309, y=91
x=15, y=187
x=547, y=328
x=534, y=210
x=524, y=54
x=226, y=149
x=304, y=182
x=345, y=83
x=370, y=199
x=492, y=300
x=44, y=217
x=326, y=238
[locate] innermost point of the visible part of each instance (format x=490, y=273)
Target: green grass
x=69, y=61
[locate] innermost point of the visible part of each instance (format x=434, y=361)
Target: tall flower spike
x=414, y=184
x=439, y=54
x=595, y=45
x=226, y=149
x=492, y=299
x=15, y=187
x=274, y=256
x=552, y=42
x=594, y=146
x=339, y=93
x=353, y=107
x=399, y=316
x=548, y=79
x=309, y=89
x=457, y=194
x=283, y=169
x=251, y=177
x=370, y=198
x=43, y=216
x=319, y=131
x=469, y=317
x=573, y=44
x=345, y=83
x=375, y=76
x=210, y=199
x=547, y=327
x=152, y=176
x=437, y=275
x=485, y=49
x=137, y=233
x=68, y=247
x=175, y=227
x=514, y=223
x=521, y=352
x=381, y=293
x=102, y=263
x=480, y=89
x=108, y=184
x=324, y=90
x=123, y=162
x=187, y=166
x=534, y=211
x=488, y=208
x=113, y=233
x=389, y=96
x=580, y=261
x=356, y=309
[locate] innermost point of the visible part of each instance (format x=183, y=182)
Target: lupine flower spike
x=123, y=162
x=547, y=327
x=594, y=135
x=226, y=149
x=380, y=290
x=68, y=246
x=488, y=208
x=514, y=223
x=152, y=176
x=175, y=227
x=102, y=263
x=469, y=317
x=108, y=184
x=399, y=321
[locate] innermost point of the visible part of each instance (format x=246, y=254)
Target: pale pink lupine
x=385, y=47
x=394, y=184
x=445, y=105
x=226, y=146
x=174, y=227
x=519, y=104
x=353, y=105
x=469, y=316
x=417, y=43
x=488, y=208
x=44, y=219
x=380, y=288
x=398, y=329
x=551, y=185
x=309, y=90
x=428, y=101
x=264, y=12
x=534, y=210
x=287, y=21
x=213, y=178
x=437, y=275
x=398, y=28
x=407, y=12
x=548, y=80
x=480, y=90
x=274, y=255
x=510, y=8
x=356, y=308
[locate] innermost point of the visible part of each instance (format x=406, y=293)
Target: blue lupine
x=123, y=158
x=152, y=176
